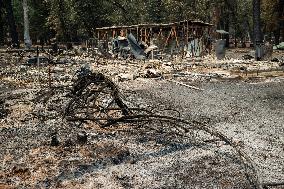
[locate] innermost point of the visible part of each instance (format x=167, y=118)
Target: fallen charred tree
x=94, y=96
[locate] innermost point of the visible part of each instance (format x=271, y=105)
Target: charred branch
x=95, y=98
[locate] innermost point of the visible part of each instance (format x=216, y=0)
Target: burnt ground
x=247, y=111
x=251, y=113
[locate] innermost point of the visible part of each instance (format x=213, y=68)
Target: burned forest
x=142, y=94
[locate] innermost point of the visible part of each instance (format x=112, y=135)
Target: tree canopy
x=73, y=20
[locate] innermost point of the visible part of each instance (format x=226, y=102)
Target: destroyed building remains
x=151, y=106
x=189, y=38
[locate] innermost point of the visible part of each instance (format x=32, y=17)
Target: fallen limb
x=185, y=85
x=176, y=122
x=272, y=184
x=95, y=98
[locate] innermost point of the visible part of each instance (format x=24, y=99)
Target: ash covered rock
x=82, y=137
x=54, y=140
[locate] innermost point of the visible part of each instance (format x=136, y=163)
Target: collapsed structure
x=189, y=38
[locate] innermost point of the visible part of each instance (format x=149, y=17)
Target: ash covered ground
x=41, y=149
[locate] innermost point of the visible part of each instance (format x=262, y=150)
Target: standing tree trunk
x=227, y=12
x=280, y=15
x=1, y=31
x=12, y=24
x=216, y=17
x=63, y=25
x=27, y=39
x=1, y=24
x=258, y=39
x=227, y=29
x=277, y=35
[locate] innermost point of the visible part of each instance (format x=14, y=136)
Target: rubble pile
x=61, y=68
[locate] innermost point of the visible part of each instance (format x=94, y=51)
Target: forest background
x=76, y=20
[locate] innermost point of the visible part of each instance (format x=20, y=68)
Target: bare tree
x=27, y=39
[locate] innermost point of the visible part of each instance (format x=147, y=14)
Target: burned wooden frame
x=187, y=36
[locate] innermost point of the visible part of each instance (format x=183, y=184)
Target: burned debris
x=161, y=99
x=95, y=98
x=186, y=38
x=91, y=125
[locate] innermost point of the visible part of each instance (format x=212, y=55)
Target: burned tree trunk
x=257, y=21
x=258, y=39
x=1, y=31
x=280, y=24
x=227, y=12
x=277, y=36
x=63, y=25
x=27, y=40
x=12, y=24
x=227, y=28
x=1, y=24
